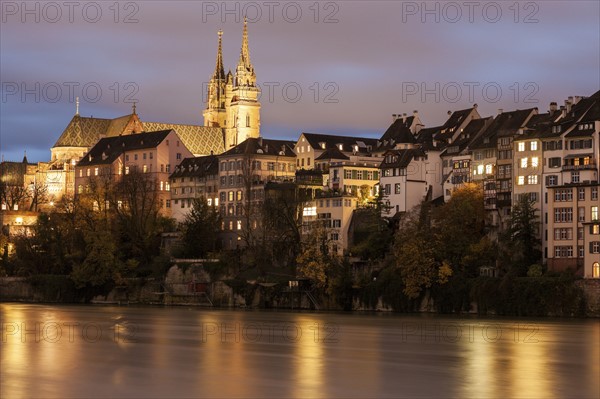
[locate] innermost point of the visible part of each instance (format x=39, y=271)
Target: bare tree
x=13, y=194
x=38, y=194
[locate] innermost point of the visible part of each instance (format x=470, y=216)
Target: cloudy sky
x=341, y=67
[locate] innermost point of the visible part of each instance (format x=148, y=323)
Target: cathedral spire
x=245, y=52
x=219, y=71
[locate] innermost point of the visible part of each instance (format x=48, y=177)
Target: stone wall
x=591, y=290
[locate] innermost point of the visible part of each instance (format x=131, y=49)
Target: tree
x=414, y=254
x=12, y=194
x=315, y=258
x=200, y=229
x=521, y=240
x=458, y=226
x=38, y=194
x=101, y=264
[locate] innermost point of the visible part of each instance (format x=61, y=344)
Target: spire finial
x=76, y=105
x=245, y=53
x=219, y=70
x=134, y=107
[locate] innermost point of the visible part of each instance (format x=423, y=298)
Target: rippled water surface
x=50, y=351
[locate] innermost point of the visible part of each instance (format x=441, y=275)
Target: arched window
x=596, y=270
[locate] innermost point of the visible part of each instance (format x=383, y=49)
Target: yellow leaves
x=444, y=273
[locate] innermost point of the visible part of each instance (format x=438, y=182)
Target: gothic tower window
x=247, y=120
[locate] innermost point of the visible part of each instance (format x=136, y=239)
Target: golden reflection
x=309, y=357
x=481, y=376
x=531, y=372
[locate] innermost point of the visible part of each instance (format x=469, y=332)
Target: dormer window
x=341, y=147
x=322, y=145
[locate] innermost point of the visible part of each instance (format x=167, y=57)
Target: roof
x=425, y=137
x=200, y=140
x=86, y=131
x=108, y=149
x=456, y=118
x=332, y=153
x=400, y=158
x=398, y=132
x=468, y=135
x=263, y=146
x=504, y=124
x=347, y=142
x=197, y=167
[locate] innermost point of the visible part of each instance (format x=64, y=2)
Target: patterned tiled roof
x=200, y=140
x=87, y=131
x=83, y=132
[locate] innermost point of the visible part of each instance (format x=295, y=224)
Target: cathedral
x=233, y=101
x=232, y=115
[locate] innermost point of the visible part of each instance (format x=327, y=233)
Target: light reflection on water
x=127, y=352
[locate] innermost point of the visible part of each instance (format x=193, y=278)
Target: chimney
x=475, y=105
x=576, y=99
x=568, y=104
x=563, y=110
x=449, y=113
x=394, y=117
x=553, y=107
x=404, y=117
x=260, y=141
x=415, y=113
x=500, y=110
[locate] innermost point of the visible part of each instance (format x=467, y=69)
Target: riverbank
x=180, y=287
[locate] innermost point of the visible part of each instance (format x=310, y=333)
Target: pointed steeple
x=219, y=71
x=25, y=157
x=245, y=52
x=244, y=72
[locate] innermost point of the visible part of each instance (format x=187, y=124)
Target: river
x=64, y=351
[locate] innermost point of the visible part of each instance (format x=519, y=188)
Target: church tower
x=215, y=112
x=233, y=100
x=243, y=114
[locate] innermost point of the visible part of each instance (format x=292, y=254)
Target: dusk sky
x=355, y=62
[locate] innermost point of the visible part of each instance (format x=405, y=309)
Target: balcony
x=590, y=166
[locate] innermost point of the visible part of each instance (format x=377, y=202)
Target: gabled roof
x=332, y=153
x=261, y=146
x=347, y=142
x=108, y=149
x=425, y=137
x=455, y=120
x=197, y=167
x=398, y=132
x=539, y=125
x=400, y=158
x=200, y=140
x=83, y=132
x=469, y=135
x=86, y=131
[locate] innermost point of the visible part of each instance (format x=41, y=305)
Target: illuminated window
x=488, y=169
x=126, y=170
x=479, y=169
x=534, y=162
x=532, y=179
x=521, y=146
x=521, y=180
x=309, y=211
x=145, y=168
x=523, y=162
x=596, y=270
x=239, y=224
x=594, y=213
x=533, y=146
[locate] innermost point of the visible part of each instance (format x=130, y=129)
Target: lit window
x=534, y=162
x=533, y=146
x=594, y=213
x=596, y=270
x=532, y=179
x=479, y=169
x=488, y=169
x=523, y=162
x=521, y=180
x=145, y=168
x=126, y=170
x=239, y=224
x=521, y=146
